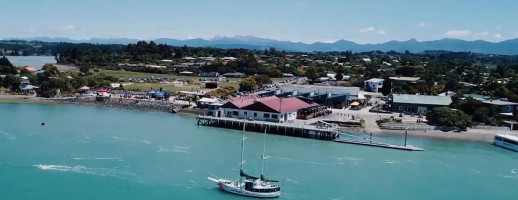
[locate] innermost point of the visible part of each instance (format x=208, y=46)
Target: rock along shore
x=121, y=103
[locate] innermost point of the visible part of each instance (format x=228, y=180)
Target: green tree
x=11, y=82
x=445, y=116
x=312, y=73
x=248, y=84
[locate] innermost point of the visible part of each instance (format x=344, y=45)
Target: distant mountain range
x=507, y=47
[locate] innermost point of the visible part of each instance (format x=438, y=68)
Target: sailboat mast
x=242, y=148
x=264, y=152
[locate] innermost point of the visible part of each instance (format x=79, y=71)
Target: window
x=274, y=116
x=235, y=113
x=245, y=113
x=255, y=114
x=399, y=108
x=229, y=113
x=266, y=115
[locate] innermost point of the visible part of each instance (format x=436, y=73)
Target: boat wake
x=347, y=158
x=125, y=175
x=118, y=138
x=175, y=149
x=302, y=161
x=99, y=158
x=291, y=180
x=146, y=142
x=514, y=171
x=7, y=135
x=391, y=162
x=507, y=176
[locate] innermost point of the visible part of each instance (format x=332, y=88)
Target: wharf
x=379, y=144
x=296, y=130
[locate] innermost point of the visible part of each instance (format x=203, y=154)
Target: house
x=330, y=96
x=504, y=108
x=234, y=75
x=406, y=103
x=186, y=73
x=271, y=108
x=373, y=85
x=180, y=83
x=208, y=74
x=166, y=62
x=25, y=85
x=205, y=102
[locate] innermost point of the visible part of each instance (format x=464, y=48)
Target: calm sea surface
x=99, y=153
x=31, y=61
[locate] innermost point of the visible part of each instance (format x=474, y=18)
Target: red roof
x=101, y=90
x=286, y=105
x=268, y=104
x=274, y=104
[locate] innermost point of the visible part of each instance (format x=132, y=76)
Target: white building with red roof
x=271, y=108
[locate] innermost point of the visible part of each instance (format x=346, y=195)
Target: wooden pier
x=379, y=144
x=305, y=131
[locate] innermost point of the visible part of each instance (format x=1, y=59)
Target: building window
x=255, y=114
x=245, y=113
x=399, y=108
x=274, y=116
x=235, y=113
x=229, y=113
x=266, y=115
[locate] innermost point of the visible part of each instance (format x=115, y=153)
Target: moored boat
x=507, y=141
x=247, y=185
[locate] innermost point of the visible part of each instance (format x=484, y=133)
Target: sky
x=361, y=21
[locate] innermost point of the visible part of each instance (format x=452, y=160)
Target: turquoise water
x=31, y=61
x=99, y=153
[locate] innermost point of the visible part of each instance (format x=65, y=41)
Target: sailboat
x=249, y=185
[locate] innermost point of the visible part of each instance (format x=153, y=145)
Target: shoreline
x=471, y=135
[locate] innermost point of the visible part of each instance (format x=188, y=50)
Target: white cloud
x=458, y=33
x=65, y=28
x=485, y=33
x=382, y=33
x=368, y=29
x=498, y=36
x=424, y=24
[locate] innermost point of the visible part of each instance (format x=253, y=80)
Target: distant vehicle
x=507, y=141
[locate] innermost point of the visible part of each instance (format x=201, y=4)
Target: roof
x=233, y=73
x=478, y=97
x=511, y=137
x=278, y=105
x=499, y=103
x=240, y=102
x=375, y=80
x=422, y=99
x=319, y=89
x=186, y=72
x=404, y=78
x=208, y=100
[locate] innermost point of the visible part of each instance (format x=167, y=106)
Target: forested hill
x=506, y=47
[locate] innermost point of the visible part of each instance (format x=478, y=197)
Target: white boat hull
x=237, y=188
x=506, y=145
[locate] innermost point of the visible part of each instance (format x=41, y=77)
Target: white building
x=271, y=109
x=373, y=84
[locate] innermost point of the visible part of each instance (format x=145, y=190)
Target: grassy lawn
x=128, y=74
x=146, y=86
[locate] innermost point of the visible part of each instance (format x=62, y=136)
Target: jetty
x=379, y=144
x=323, y=131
